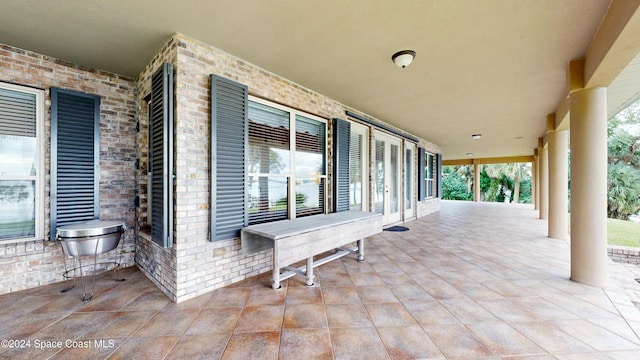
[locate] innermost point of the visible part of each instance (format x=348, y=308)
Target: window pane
x=309, y=196
x=408, y=179
x=355, y=171
x=268, y=198
x=17, y=209
x=310, y=140
x=379, y=174
x=395, y=179
x=17, y=155
x=269, y=145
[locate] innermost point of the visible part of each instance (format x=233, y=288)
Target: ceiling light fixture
x=469, y=154
x=476, y=136
x=403, y=58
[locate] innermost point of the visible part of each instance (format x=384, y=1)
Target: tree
x=623, y=195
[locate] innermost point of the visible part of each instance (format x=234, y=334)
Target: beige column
x=476, y=182
x=588, y=123
x=543, y=187
x=534, y=180
x=558, y=181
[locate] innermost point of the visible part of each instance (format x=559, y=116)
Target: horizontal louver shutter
x=341, y=145
x=17, y=113
x=228, y=144
x=161, y=156
x=439, y=174
x=422, y=170
x=75, y=150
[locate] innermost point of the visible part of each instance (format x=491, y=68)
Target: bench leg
x=361, y=250
x=310, y=275
x=275, y=278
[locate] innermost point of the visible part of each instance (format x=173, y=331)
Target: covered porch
x=475, y=280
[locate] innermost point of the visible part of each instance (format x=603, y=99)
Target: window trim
x=291, y=176
x=40, y=156
x=430, y=181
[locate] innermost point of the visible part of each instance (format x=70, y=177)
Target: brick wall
x=159, y=264
x=201, y=265
x=31, y=264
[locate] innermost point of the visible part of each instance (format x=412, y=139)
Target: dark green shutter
x=422, y=186
x=229, y=131
x=75, y=158
x=341, y=144
x=439, y=174
x=161, y=156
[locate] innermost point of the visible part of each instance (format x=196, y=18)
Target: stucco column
x=543, y=186
x=588, y=111
x=558, y=180
x=476, y=182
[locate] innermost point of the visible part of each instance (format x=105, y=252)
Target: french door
x=387, y=177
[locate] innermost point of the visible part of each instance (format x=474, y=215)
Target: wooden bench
x=302, y=238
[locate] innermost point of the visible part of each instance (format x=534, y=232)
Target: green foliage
x=454, y=187
x=623, y=195
x=300, y=200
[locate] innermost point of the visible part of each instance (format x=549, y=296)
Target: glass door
x=409, y=179
x=387, y=172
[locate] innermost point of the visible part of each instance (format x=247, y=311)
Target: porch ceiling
x=493, y=67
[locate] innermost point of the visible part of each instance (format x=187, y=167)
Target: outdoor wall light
x=476, y=136
x=403, y=58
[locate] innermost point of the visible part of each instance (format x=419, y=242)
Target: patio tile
x=456, y=341
x=597, y=337
x=551, y=338
x=410, y=292
x=430, y=312
x=376, y=294
x=507, y=311
x=199, y=347
x=304, y=316
x=366, y=279
x=145, y=347
x=266, y=296
x=20, y=326
x=304, y=295
x=305, y=344
x=260, y=318
x=253, y=345
x=347, y=315
x=216, y=320
x=119, y=324
x=357, y=343
x=390, y=314
x=408, y=342
x=95, y=350
x=71, y=327
x=504, y=340
x=467, y=311
x=168, y=323
x=154, y=300
x=340, y=295
x=228, y=297
x=544, y=309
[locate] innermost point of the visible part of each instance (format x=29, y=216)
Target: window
x=429, y=174
x=21, y=163
x=286, y=163
x=409, y=179
x=358, y=165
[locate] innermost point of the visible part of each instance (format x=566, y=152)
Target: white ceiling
x=495, y=67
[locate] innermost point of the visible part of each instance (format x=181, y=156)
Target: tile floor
x=474, y=281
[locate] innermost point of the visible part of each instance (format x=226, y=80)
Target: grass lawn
x=623, y=233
